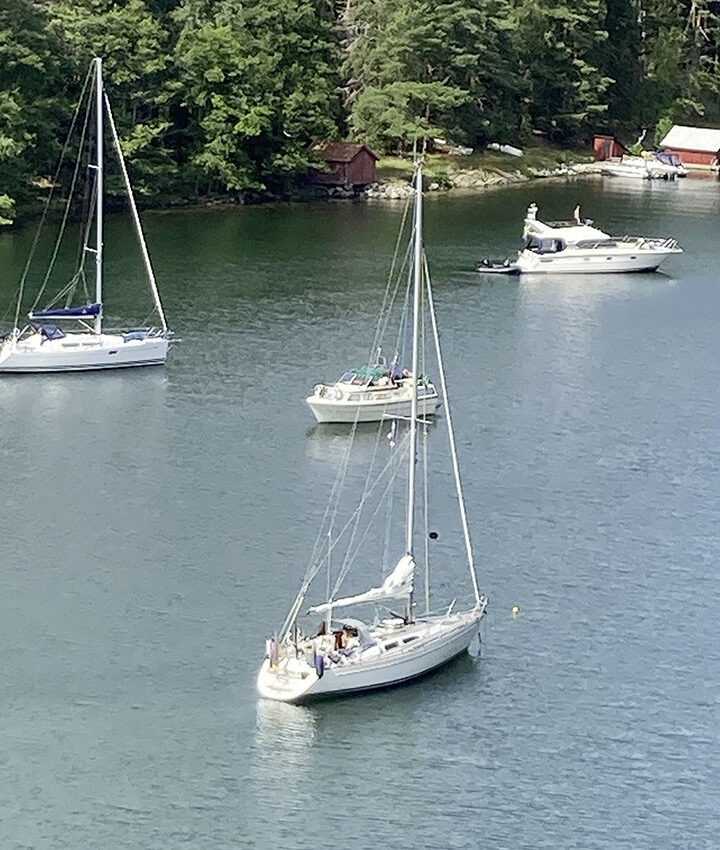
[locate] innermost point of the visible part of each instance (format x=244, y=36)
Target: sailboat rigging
x=349, y=655
x=43, y=345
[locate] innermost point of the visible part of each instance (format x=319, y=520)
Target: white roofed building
x=698, y=147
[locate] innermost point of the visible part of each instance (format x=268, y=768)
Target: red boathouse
x=350, y=165
x=607, y=147
x=698, y=147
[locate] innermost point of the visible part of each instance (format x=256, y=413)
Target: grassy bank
x=440, y=167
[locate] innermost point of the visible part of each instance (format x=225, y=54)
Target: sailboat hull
x=80, y=352
x=398, y=657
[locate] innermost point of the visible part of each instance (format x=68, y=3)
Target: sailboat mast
x=417, y=282
x=98, y=190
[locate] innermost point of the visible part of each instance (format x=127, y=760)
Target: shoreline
x=468, y=180
x=463, y=180
x=474, y=180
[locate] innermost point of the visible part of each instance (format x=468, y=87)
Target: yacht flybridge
x=43, y=345
x=394, y=642
x=576, y=247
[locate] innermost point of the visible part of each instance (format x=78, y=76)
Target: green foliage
x=420, y=69
x=561, y=66
x=133, y=45
x=7, y=209
x=395, y=114
x=31, y=64
x=259, y=85
x=225, y=96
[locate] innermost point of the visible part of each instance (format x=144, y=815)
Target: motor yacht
x=577, y=247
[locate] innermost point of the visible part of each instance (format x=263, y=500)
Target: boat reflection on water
x=588, y=289
x=284, y=736
x=283, y=754
x=329, y=442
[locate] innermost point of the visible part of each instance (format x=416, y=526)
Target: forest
x=221, y=97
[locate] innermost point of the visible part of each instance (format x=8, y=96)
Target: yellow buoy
x=515, y=610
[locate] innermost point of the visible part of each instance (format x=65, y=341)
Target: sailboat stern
x=286, y=681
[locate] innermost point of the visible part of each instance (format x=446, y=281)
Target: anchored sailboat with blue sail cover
x=46, y=343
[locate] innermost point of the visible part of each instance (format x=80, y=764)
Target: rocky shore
x=471, y=179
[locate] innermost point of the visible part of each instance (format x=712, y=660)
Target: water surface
x=155, y=524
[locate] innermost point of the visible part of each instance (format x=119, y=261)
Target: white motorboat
x=579, y=248
x=380, y=390
x=346, y=654
x=370, y=394
x=649, y=167
x=43, y=345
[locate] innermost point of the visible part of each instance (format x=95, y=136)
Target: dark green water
x=154, y=525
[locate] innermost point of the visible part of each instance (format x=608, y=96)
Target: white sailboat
x=43, y=345
x=347, y=654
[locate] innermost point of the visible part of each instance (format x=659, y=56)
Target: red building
x=607, y=147
x=350, y=165
x=696, y=146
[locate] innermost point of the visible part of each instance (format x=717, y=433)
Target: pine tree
x=561, y=63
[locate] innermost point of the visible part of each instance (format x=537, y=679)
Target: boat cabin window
x=548, y=245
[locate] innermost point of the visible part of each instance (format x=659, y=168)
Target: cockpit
x=545, y=245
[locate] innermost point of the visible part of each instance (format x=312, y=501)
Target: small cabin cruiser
x=579, y=248
x=372, y=393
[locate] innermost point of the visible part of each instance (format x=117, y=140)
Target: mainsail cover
x=398, y=584
x=85, y=311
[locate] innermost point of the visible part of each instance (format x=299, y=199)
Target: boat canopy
x=373, y=374
x=52, y=332
x=84, y=312
x=398, y=584
x=364, y=374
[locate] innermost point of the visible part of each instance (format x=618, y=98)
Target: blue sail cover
x=84, y=312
